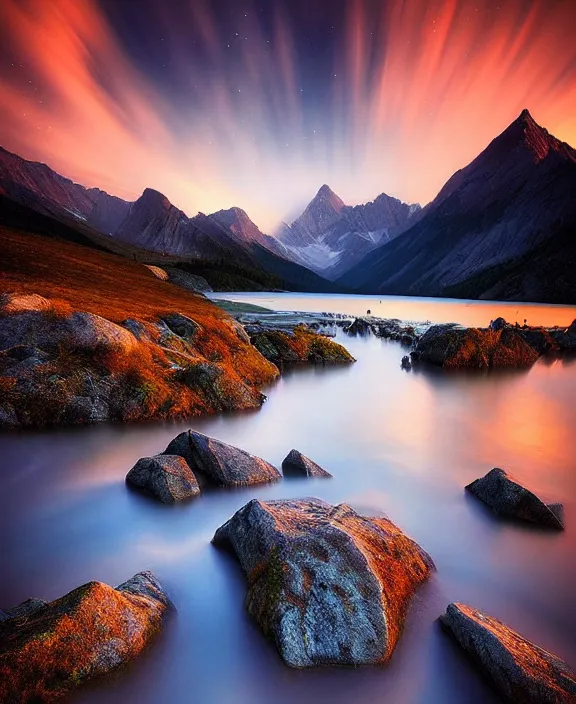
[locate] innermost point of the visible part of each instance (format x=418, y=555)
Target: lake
x=398, y=443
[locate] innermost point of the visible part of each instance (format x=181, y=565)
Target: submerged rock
x=216, y=462
x=507, y=498
x=48, y=649
x=328, y=585
x=452, y=346
x=520, y=670
x=295, y=463
x=166, y=477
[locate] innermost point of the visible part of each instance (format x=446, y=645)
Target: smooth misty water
x=400, y=443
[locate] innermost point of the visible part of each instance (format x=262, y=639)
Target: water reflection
x=438, y=310
x=402, y=444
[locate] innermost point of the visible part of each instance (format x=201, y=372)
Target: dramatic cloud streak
x=219, y=103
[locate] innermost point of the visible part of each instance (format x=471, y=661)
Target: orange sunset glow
x=259, y=106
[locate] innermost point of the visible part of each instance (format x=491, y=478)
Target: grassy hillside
x=164, y=377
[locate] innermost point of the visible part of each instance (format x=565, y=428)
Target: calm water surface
x=398, y=443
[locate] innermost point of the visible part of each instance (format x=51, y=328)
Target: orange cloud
x=418, y=88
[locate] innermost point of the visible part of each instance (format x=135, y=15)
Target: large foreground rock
x=297, y=464
x=48, y=649
x=510, y=499
x=221, y=464
x=521, y=671
x=328, y=585
x=453, y=347
x=166, y=477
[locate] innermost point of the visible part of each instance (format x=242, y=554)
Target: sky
x=256, y=104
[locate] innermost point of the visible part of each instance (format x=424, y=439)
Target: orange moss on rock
x=520, y=670
x=330, y=586
x=454, y=347
x=143, y=380
x=86, y=633
x=301, y=347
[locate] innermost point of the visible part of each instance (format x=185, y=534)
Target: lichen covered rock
x=508, y=498
x=166, y=477
x=452, y=347
x=217, y=463
x=65, y=367
x=520, y=670
x=46, y=650
x=37, y=322
x=295, y=463
x=302, y=346
x=328, y=585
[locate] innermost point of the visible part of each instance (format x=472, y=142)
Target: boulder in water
x=166, y=477
x=330, y=587
x=359, y=326
x=520, y=670
x=46, y=650
x=508, y=498
x=295, y=463
x=453, y=347
x=215, y=462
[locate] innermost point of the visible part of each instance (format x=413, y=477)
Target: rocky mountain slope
x=503, y=227
x=330, y=236
x=153, y=224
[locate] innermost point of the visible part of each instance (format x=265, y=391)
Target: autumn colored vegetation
x=163, y=376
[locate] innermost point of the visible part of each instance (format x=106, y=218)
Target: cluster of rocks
x=329, y=586
x=387, y=328
x=65, y=367
x=454, y=346
x=500, y=345
x=193, y=461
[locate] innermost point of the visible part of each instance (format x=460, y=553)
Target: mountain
x=228, y=239
x=331, y=237
x=502, y=227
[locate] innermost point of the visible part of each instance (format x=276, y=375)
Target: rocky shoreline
x=64, y=367
x=447, y=345
x=327, y=585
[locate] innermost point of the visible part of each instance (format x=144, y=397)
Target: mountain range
x=152, y=225
x=503, y=227
x=330, y=237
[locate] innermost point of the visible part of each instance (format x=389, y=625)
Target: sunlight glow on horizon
x=414, y=91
